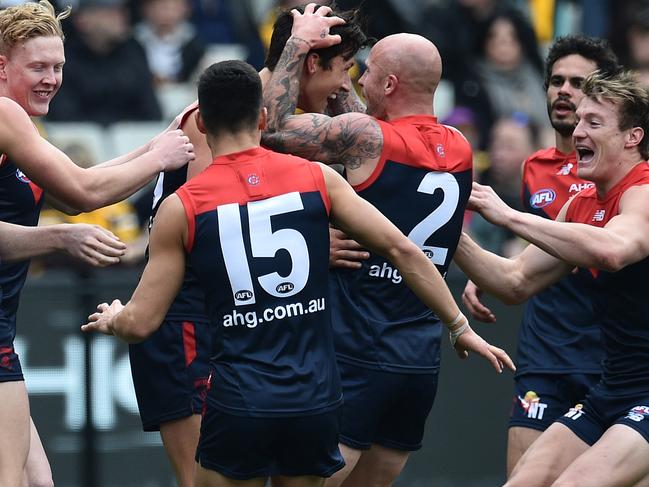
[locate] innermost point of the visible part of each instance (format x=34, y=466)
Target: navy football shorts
x=244, y=447
x=603, y=408
x=384, y=408
x=10, y=369
x=539, y=399
x=170, y=370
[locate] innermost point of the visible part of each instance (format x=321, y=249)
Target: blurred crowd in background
x=132, y=64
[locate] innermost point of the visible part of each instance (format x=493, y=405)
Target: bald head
x=413, y=59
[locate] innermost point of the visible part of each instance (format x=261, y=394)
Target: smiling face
x=32, y=72
x=372, y=83
x=598, y=140
x=323, y=83
x=564, y=91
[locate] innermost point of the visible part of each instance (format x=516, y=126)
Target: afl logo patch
x=243, y=295
x=543, y=197
x=253, y=180
x=439, y=148
x=285, y=287
x=21, y=176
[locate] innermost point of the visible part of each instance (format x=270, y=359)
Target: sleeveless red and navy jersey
x=259, y=244
x=619, y=298
x=559, y=332
x=421, y=184
x=20, y=203
x=189, y=304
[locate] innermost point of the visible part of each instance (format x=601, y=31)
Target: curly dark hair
x=351, y=32
x=593, y=49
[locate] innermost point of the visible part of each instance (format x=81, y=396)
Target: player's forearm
x=116, y=161
x=281, y=93
x=102, y=186
x=424, y=279
x=490, y=272
x=128, y=326
x=345, y=102
x=18, y=242
x=576, y=243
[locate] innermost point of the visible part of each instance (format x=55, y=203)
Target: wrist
x=300, y=43
x=457, y=327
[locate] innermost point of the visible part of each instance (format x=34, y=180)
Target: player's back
x=259, y=243
x=619, y=298
x=421, y=184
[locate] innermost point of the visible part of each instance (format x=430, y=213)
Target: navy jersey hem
x=154, y=424
x=396, y=368
x=261, y=413
x=12, y=377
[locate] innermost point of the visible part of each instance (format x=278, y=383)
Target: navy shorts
x=384, y=408
x=603, y=408
x=170, y=370
x=539, y=399
x=243, y=447
x=10, y=369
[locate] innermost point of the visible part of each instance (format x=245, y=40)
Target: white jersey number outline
x=440, y=216
x=264, y=242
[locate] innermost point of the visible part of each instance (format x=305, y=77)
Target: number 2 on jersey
x=264, y=243
x=439, y=217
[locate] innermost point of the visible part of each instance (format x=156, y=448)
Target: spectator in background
x=512, y=140
x=229, y=22
x=170, y=41
x=107, y=78
x=510, y=68
x=630, y=36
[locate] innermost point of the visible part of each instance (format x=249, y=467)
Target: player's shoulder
x=543, y=156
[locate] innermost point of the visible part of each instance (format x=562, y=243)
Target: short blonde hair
x=23, y=22
x=631, y=96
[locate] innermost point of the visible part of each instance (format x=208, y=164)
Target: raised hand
x=92, y=244
x=313, y=26
x=174, y=149
x=484, y=200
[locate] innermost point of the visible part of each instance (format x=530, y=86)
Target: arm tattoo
x=345, y=102
x=280, y=96
x=348, y=140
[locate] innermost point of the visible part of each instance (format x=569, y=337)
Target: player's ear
x=312, y=61
x=634, y=137
x=199, y=123
x=263, y=118
x=390, y=84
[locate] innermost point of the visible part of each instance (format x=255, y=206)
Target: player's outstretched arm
x=620, y=242
x=512, y=280
x=368, y=226
x=350, y=139
x=89, y=243
x=83, y=189
x=158, y=286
